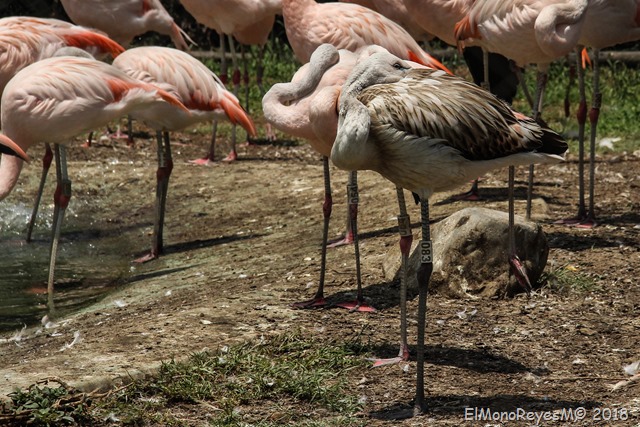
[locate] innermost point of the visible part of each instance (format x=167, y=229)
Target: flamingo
x=397, y=11
x=55, y=99
x=347, y=26
x=248, y=21
x=198, y=88
x=27, y=40
x=122, y=20
x=527, y=32
x=427, y=131
x=607, y=24
x=306, y=108
x=488, y=69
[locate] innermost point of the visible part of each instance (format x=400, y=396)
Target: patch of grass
x=239, y=385
x=567, y=279
x=46, y=406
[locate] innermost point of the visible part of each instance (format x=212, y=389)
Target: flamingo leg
x=536, y=115
x=581, y=115
x=233, y=154
x=165, y=166
x=594, y=114
x=517, y=268
x=352, y=190
x=318, y=300
x=406, y=238
x=209, y=159
x=348, y=235
x=61, y=199
x=424, y=275
x=270, y=134
x=46, y=164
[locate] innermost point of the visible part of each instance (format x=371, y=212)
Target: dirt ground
x=243, y=243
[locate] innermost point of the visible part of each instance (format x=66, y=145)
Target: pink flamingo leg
x=46, y=164
x=594, y=114
x=406, y=238
x=61, y=199
x=165, y=166
x=318, y=300
x=359, y=304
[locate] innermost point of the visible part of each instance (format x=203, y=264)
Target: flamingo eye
x=398, y=66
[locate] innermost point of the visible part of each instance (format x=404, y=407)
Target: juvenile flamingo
x=54, y=100
x=198, y=88
x=427, y=131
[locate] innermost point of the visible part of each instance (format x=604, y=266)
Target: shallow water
x=90, y=262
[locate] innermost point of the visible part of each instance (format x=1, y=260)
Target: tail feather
x=85, y=39
x=237, y=115
x=180, y=38
x=430, y=62
x=119, y=89
x=464, y=30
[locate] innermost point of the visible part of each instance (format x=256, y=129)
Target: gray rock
x=470, y=250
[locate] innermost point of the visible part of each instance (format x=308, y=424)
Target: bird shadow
x=576, y=243
x=205, y=243
x=479, y=360
x=468, y=407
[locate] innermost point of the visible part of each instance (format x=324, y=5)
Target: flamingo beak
x=7, y=146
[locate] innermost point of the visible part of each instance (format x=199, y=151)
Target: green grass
x=285, y=380
x=567, y=280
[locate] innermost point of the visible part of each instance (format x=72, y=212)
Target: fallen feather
x=76, y=339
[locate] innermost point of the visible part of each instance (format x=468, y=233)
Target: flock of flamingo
x=368, y=97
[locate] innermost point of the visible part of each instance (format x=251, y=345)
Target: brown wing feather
x=431, y=104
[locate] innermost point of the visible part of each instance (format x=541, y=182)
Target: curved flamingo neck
x=10, y=167
x=558, y=27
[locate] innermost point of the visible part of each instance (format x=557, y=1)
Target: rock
x=470, y=254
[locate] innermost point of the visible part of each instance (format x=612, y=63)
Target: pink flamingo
x=198, y=88
x=122, y=20
x=607, y=24
x=248, y=21
x=54, y=100
x=28, y=40
x=347, y=26
x=427, y=131
x=397, y=11
x=307, y=108
x=527, y=32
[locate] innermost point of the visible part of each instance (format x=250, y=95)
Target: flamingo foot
x=312, y=303
x=146, y=258
x=205, y=161
x=402, y=357
x=359, y=306
x=231, y=157
x=520, y=273
x=570, y=221
x=587, y=223
x=86, y=144
x=249, y=143
x=471, y=196
x=346, y=240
